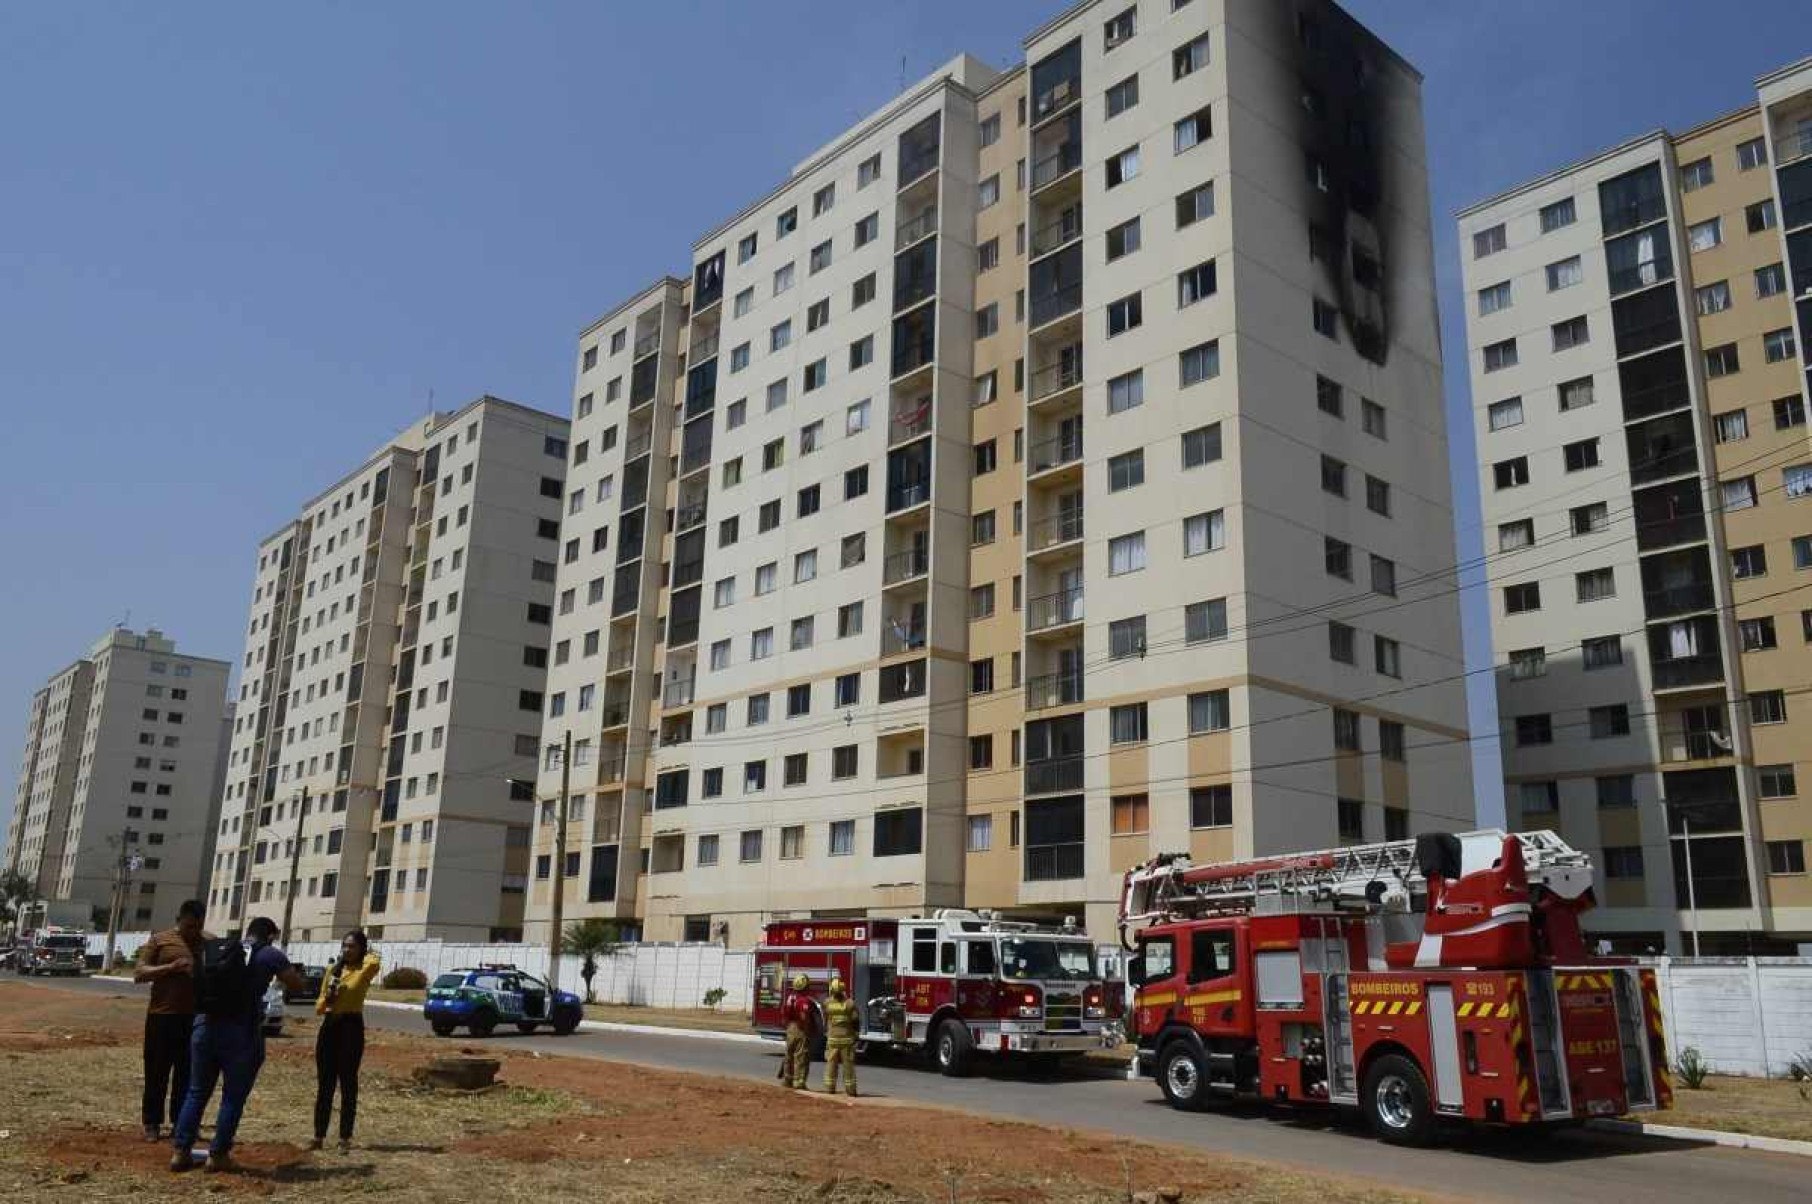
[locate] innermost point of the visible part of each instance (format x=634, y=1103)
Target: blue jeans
x=228, y=1050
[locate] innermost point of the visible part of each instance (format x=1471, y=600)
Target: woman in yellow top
x=340, y=1046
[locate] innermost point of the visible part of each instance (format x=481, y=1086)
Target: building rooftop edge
x=1550, y=176
x=1769, y=77
x=609, y=315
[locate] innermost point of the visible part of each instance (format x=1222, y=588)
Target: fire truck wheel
x=1397, y=1102
x=952, y=1049
x=1183, y=1078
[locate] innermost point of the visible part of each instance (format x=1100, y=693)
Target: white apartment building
x=383, y=755
x=1639, y=392
x=1056, y=475
x=121, y=769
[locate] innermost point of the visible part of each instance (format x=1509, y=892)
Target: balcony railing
x=1663, y=533
x=1796, y=145
x=1050, y=531
x=1055, y=452
x=1678, y=745
x=1678, y=599
x=1054, y=776
x=919, y=227
x=1687, y=671
x=1637, y=213
x=690, y=516
x=1066, y=229
x=1059, y=163
x=897, y=637
x=637, y=446
x=904, y=497
x=1066, y=373
x=1052, y=306
x=912, y=356
x=612, y=768
x=1054, y=610
x=914, y=164
x=688, y=572
x=910, y=425
x=904, y=566
x=648, y=344
x=1059, y=95
x=702, y=349
x=620, y=659
x=1053, y=862
x=1053, y=690
x=613, y=715
x=679, y=692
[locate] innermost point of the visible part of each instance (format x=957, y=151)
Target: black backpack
x=221, y=979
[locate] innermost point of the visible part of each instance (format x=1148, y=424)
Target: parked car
x=482, y=997
x=311, y=985
x=275, y=1010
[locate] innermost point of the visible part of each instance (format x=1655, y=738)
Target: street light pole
x=559, y=904
x=1692, y=892
x=121, y=868
x=295, y=859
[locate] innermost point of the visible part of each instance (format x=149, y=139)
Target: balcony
x=647, y=344
x=1679, y=745
x=622, y=659
x=1058, y=377
x=904, y=566
x=1060, y=449
x=1053, y=305
x=611, y=768
x=1054, y=235
x=902, y=681
x=922, y=225
x=1053, y=862
x=690, y=515
x=1678, y=599
x=918, y=150
x=678, y=692
x=1050, y=611
x=637, y=446
x=1687, y=672
x=1054, y=531
x=1056, y=97
x=910, y=420
x=1053, y=690
x=1060, y=162
x=906, y=496
x=901, y=636
x=613, y=714
x=676, y=730
x=642, y=380
x=914, y=342
x=1054, y=776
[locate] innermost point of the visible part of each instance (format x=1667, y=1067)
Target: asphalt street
x=1546, y=1167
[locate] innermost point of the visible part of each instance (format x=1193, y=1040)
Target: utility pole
x=248, y=821
x=122, y=867
x=553, y=940
x=295, y=858
x=1692, y=892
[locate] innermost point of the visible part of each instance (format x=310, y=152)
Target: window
x=1201, y=445
x=1191, y=56
x=987, y=457
x=1594, y=585
x=1534, y=729
x=1325, y=318
x=1377, y=495
x=750, y=846
x=1528, y=663
x=1695, y=175
x=1342, y=643
x=1204, y=622
x=1756, y=635
x=848, y=690
x=1126, y=638
x=1786, y=856
x=1738, y=494
x=1127, y=724
x=1796, y=480
x=1123, y=167
x=1199, y=363
x=1194, y=205
x=1802, y=551
x=1770, y=281
x=988, y=132
x=898, y=833
x=1126, y=554
x=981, y=676
x=1194, y=284
x=745, y=249
x=1558, y=215
x=1502, y=415
x=1703, y=236
x=1777, y=781
x=1496, y=297
x=1209, y=711
x=1387, y=656
x=1124, y=315
x=1372, y=418
x=783, y=278
x=988, y=192
x=1204, y=533
x=800, y=637
x=1192, y=130
x=739, y=357
x=735, y=414
x=1748, y=562
x=1519, y=599
x=1581, y=455
x=1712, y=298
x=1124, y=471
x=1338, y=557
x=808, y=501
x=1346, y=730
x=1576, y=393
x=987, y=256
x=1123, y=96
x=981, y=601
x=1590, y=519
x=1488, y=242
x=981, y=528
x=1778, y=345
x=815, y=375
x=786, y=223
x=1507, y=474
x=1384, y=576
x=1789, y=412
x=1123, y=240
x=1768, y=706
x=1130, y=814
x=1125, y=392
x=987, y=320
x=1211, y=806
x=1607, y=722
x=778, y=337
x=1731, y=426
x=1570, y=333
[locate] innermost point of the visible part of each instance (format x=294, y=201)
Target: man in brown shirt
x=167, y=962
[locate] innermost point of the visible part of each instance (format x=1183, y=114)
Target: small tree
x=16, y=891
x=592, y=939
x=1692, y=1068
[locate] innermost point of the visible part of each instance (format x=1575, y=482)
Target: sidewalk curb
x=609, y=1026
x=1740, y=1141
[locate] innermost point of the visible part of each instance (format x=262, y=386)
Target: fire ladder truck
x=1443, y=977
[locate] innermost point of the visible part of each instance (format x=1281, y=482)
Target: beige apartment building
x=1639, y=390
x=1052, y=473
x=383, y=754
x=120, y=781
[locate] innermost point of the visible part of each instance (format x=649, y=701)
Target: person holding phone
x=167, y=963
x=340, y=1045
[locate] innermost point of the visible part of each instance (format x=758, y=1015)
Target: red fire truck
x=955, y=983
x=1418, y=980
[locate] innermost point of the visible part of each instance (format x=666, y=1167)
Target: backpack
x=221, y=979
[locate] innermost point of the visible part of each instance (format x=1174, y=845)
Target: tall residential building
x=1640, y=396
x=383, y=757
x=121, y=758
x=1080, y=330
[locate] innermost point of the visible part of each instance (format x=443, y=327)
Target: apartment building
x=121, y=766
x=1639, y=390
x=1146, y=321
x=384, y=752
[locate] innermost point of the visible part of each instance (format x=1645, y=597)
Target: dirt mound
x=77, y=1152
x=16, y=1041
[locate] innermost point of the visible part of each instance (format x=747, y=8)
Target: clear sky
x=242, y=244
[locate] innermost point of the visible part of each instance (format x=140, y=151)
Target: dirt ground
x=70, y=1066
x=1767, y=1107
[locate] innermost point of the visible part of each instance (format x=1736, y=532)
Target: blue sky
x=240, y=245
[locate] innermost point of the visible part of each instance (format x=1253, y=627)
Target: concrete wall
x=1745, y=1015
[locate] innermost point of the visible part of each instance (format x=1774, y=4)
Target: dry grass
x=561, y=1127
x=1765, y=1107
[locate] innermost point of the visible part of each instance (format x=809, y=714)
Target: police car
x=481, y=998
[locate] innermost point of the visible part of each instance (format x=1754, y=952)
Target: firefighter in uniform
x=841, y=1022
x=799, y=1025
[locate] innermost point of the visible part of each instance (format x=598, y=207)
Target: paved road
x=1529, y=1169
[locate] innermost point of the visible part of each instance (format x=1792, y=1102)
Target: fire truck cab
x=954, y=984
x=1419, y=981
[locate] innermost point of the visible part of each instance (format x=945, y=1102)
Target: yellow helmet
x=836, y=986
x=801, y=982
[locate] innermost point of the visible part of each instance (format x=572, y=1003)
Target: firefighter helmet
x=801, y=982
x=836, y=986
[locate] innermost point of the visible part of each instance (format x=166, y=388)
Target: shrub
x=1692, y=1068
x=405, y=978
x=1800, y=1071
x=715, y=996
